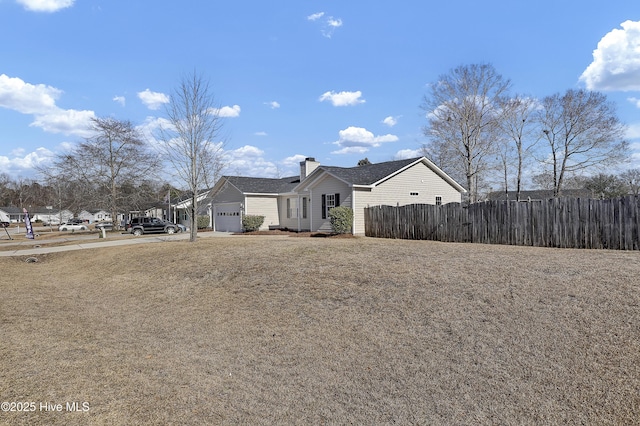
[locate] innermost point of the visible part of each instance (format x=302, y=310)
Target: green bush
x=252, y=222
x=202, y=222
x=341, y=219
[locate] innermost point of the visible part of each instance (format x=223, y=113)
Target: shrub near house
x=202, y=222
x=252, y=222
x=341, y=219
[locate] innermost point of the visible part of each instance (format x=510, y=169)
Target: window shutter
x=324, y=206
x=288, y=208
x=337, y=200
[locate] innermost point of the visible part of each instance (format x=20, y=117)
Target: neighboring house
x=50, y=216
x=182, y=206
x=151, y=209
x=94, y=215
x=16, y=215
x=302, y=202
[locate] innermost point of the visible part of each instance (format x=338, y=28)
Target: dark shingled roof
x=358, y=175
x=264, y=185
x=11, y=209
x=369, y=173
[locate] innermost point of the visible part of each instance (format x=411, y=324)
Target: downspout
x=310, y=210
x=299, y=204
x=353, y=210
x=243, y=211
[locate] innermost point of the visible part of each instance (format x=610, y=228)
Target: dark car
x=149, y=225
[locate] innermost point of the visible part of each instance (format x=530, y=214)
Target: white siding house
x=95, y=215
x=302, y=202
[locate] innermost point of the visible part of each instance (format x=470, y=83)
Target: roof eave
x=273, y=194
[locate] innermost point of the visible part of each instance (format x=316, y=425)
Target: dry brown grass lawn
x=280, y=330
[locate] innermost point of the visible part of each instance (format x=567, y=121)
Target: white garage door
x=227, y=217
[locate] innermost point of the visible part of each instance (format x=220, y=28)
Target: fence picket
x=557, y=222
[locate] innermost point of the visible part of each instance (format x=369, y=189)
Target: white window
x=304, y=207
x=292, y=208
x=438, y=201
x=329, y=201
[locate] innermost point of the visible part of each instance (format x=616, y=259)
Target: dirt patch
x=286, y=233
x=320, y=330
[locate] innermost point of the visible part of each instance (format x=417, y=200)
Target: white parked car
x=108, y=226
x=72, y=227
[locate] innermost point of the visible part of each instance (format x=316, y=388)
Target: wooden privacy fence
x=557, y=222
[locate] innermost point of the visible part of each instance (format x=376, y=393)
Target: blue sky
x=334, y=80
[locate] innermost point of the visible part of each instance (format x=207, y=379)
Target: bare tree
x=25, y=192
x=464, y=115
x=193, y=142
x=582, y=131
x=606, y=186
x=519, y=135
x=631, y=178
x=100, y=165
x=5, y=189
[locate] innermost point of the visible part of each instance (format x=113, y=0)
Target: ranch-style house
x=302, y=203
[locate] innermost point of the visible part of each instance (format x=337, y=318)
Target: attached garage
x=227, y=217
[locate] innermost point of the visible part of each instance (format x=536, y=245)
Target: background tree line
x=71, y=195
x=485, y=137
x=119, y=170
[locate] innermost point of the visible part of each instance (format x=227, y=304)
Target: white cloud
x=68, y=122
x=25, y=164
x=634, y=101
x=403, y=154
x=342, y=98
x=228, y=112
x=334, y=23
x=294, y=160
x=359, y=140
x=120, y=99
x=27, y=98
x=39, y=100
x=328, y=25
x=616, y=60
x=315, y=16
x=45, y=5
x=633, y=131
x=153, y=100
x=273, y=104
x=260, y=133
x=390, y=121
x=351, y=150
x=249, y=161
